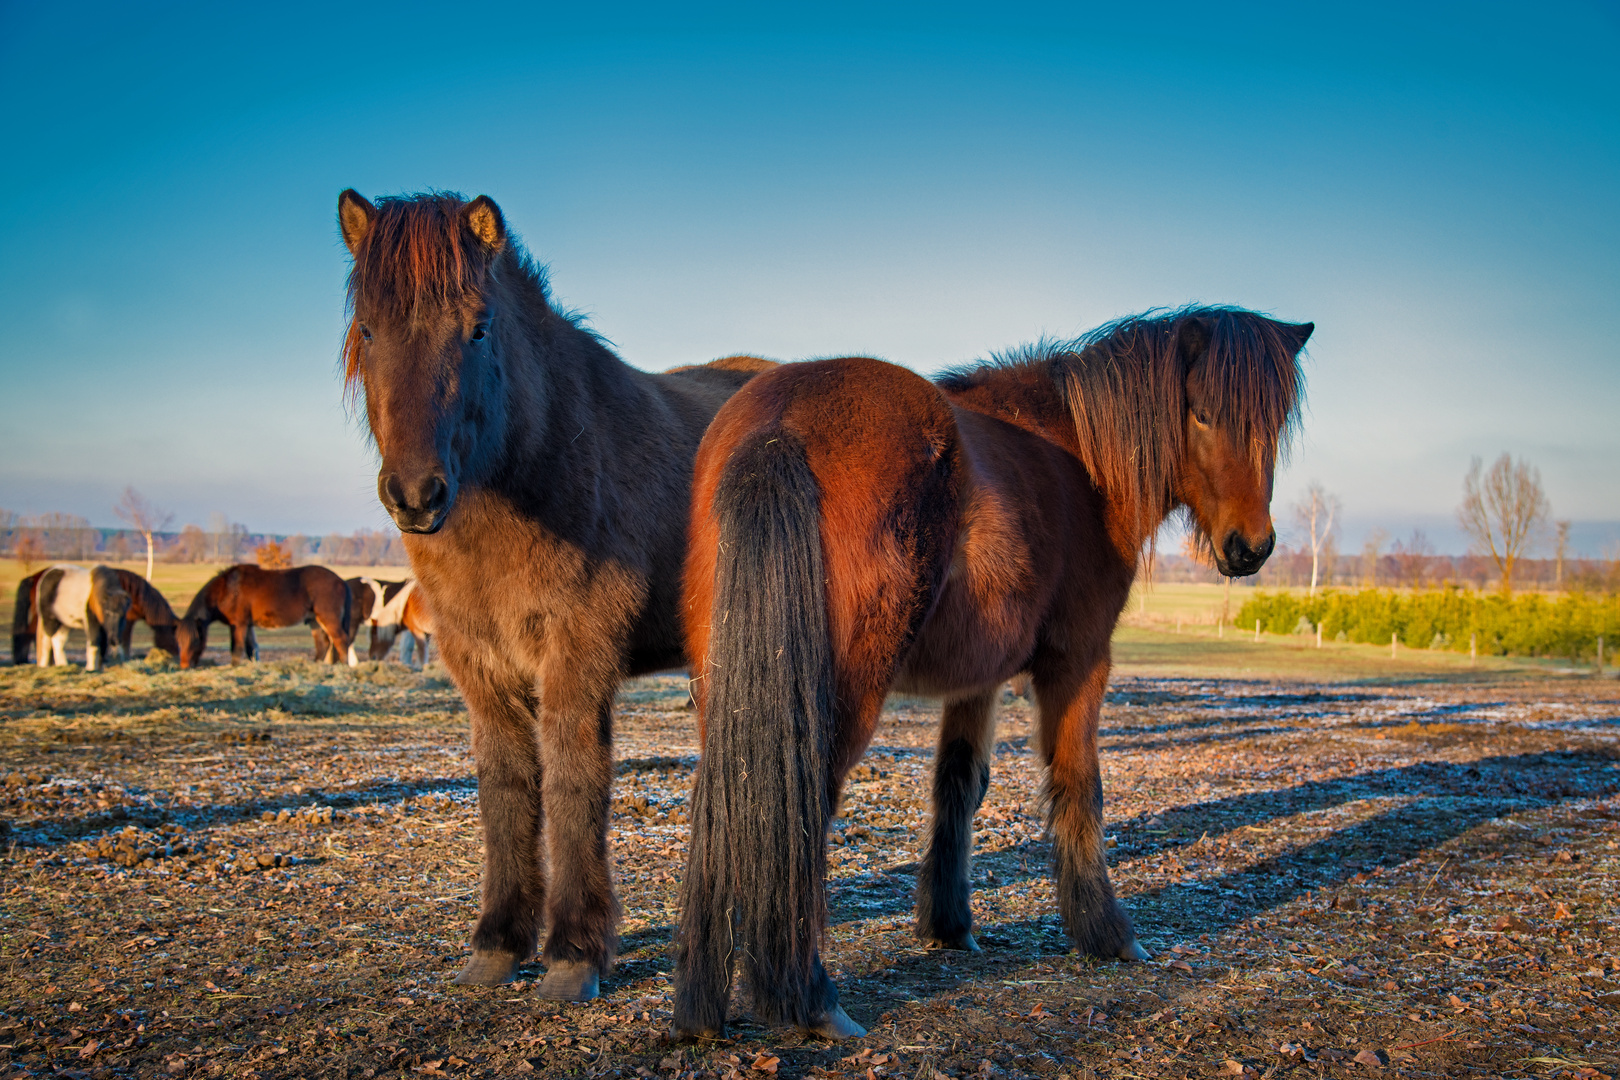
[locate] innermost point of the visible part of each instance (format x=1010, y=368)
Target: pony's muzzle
x=417, y=504
x=1239, y=558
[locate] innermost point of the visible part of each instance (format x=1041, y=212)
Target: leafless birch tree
x=1504, y=511
x=1315, y=514
x=144, y=518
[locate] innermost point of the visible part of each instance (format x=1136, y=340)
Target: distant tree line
x=42, y=538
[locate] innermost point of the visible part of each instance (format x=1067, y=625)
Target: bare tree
x=1504, y=511
x=1371, y=551
x=144, y=517
x=1561, y=548
x=1412, y=559
x=1315, y=514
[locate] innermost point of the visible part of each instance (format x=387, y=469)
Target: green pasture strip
x=1199, y=653
x=1440, y=620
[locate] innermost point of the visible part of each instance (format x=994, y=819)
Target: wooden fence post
x=1257, y=631
x=1394, y=638
x=1600, y=654
x=1318, y=635
x=1473, y=648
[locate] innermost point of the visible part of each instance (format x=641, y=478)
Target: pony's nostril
x=435, y=494
x=390, y=491
x=1235, y=549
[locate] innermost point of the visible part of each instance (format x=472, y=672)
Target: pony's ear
x=1192, y=340
x=355, y=215
x=1302, y=333
x=483, y=219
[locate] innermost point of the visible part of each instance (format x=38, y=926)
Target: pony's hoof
x=682, y=1034
x=1132, y=950
x=570, y=980
x=836, y=1026
x=487, y=969
x=965, y=943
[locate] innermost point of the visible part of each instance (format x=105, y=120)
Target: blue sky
x=1438, y=188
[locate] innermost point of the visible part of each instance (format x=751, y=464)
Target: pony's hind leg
x=509, y=808
x=961, y=775
x=1070, y=706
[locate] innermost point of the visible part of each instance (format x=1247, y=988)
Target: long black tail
x=755, y=878
x=22, y=619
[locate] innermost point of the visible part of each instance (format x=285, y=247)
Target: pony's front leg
x=42, y=645
x=251, y=645
x=509, y=808
x=59, y=647
x=1070, y=703
x=961, y=776
x=576, y=741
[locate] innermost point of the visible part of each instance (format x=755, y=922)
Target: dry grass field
x=1345, y=866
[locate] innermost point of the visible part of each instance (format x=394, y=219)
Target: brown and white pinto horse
x=542, y=487
x=245, y=596
x=147, y=605
x=364, y=593
x=857, y=528
x=403, y=607
x=75, y=598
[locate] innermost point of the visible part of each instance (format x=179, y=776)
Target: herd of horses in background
x=106, y=603
x=802, y=537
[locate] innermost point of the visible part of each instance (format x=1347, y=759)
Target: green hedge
x=1524, y=625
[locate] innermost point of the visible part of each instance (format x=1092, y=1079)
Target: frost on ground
x=272, y=870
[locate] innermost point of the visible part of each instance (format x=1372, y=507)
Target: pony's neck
x=563, y=382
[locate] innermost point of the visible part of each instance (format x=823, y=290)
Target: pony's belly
x=958, y=651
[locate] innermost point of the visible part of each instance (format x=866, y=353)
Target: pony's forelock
x=416, y=257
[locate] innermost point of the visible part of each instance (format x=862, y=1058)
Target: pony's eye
x=1202, y=417
x=479, y=331
x=365, y=333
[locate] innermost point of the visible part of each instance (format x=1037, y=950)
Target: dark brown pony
x=147, y=605
x=23, y=618
x=542, y=485
x=856, y=528
x=246, y=596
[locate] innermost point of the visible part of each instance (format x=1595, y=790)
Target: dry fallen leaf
x=766, y=1063
x=1370, y=1058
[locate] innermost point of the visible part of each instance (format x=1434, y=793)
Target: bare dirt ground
x=271, y=870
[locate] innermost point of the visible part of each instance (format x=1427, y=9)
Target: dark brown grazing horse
x=23, y=618
x=541, y=484
x=147, y=605
x=362, y=598
x=245, y=596
x=856, y=528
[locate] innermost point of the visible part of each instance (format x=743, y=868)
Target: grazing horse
x=74, y=598
x=541, y=484
x=245, y=596
x=857, y=528
x=403, y=608
x=363, y=594
x=147, y=605
x=23, y=619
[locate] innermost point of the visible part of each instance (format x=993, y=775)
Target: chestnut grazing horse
x=147, y=605
x=857, y=528
x=363, y=597
x=245, y=596
x=542, y=485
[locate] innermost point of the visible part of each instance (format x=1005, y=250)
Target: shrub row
x=1524, y=625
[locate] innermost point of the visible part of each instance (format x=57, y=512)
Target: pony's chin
x=420, y=528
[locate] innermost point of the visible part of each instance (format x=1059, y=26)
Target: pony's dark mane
x=417, y=257
x=1125, y=386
